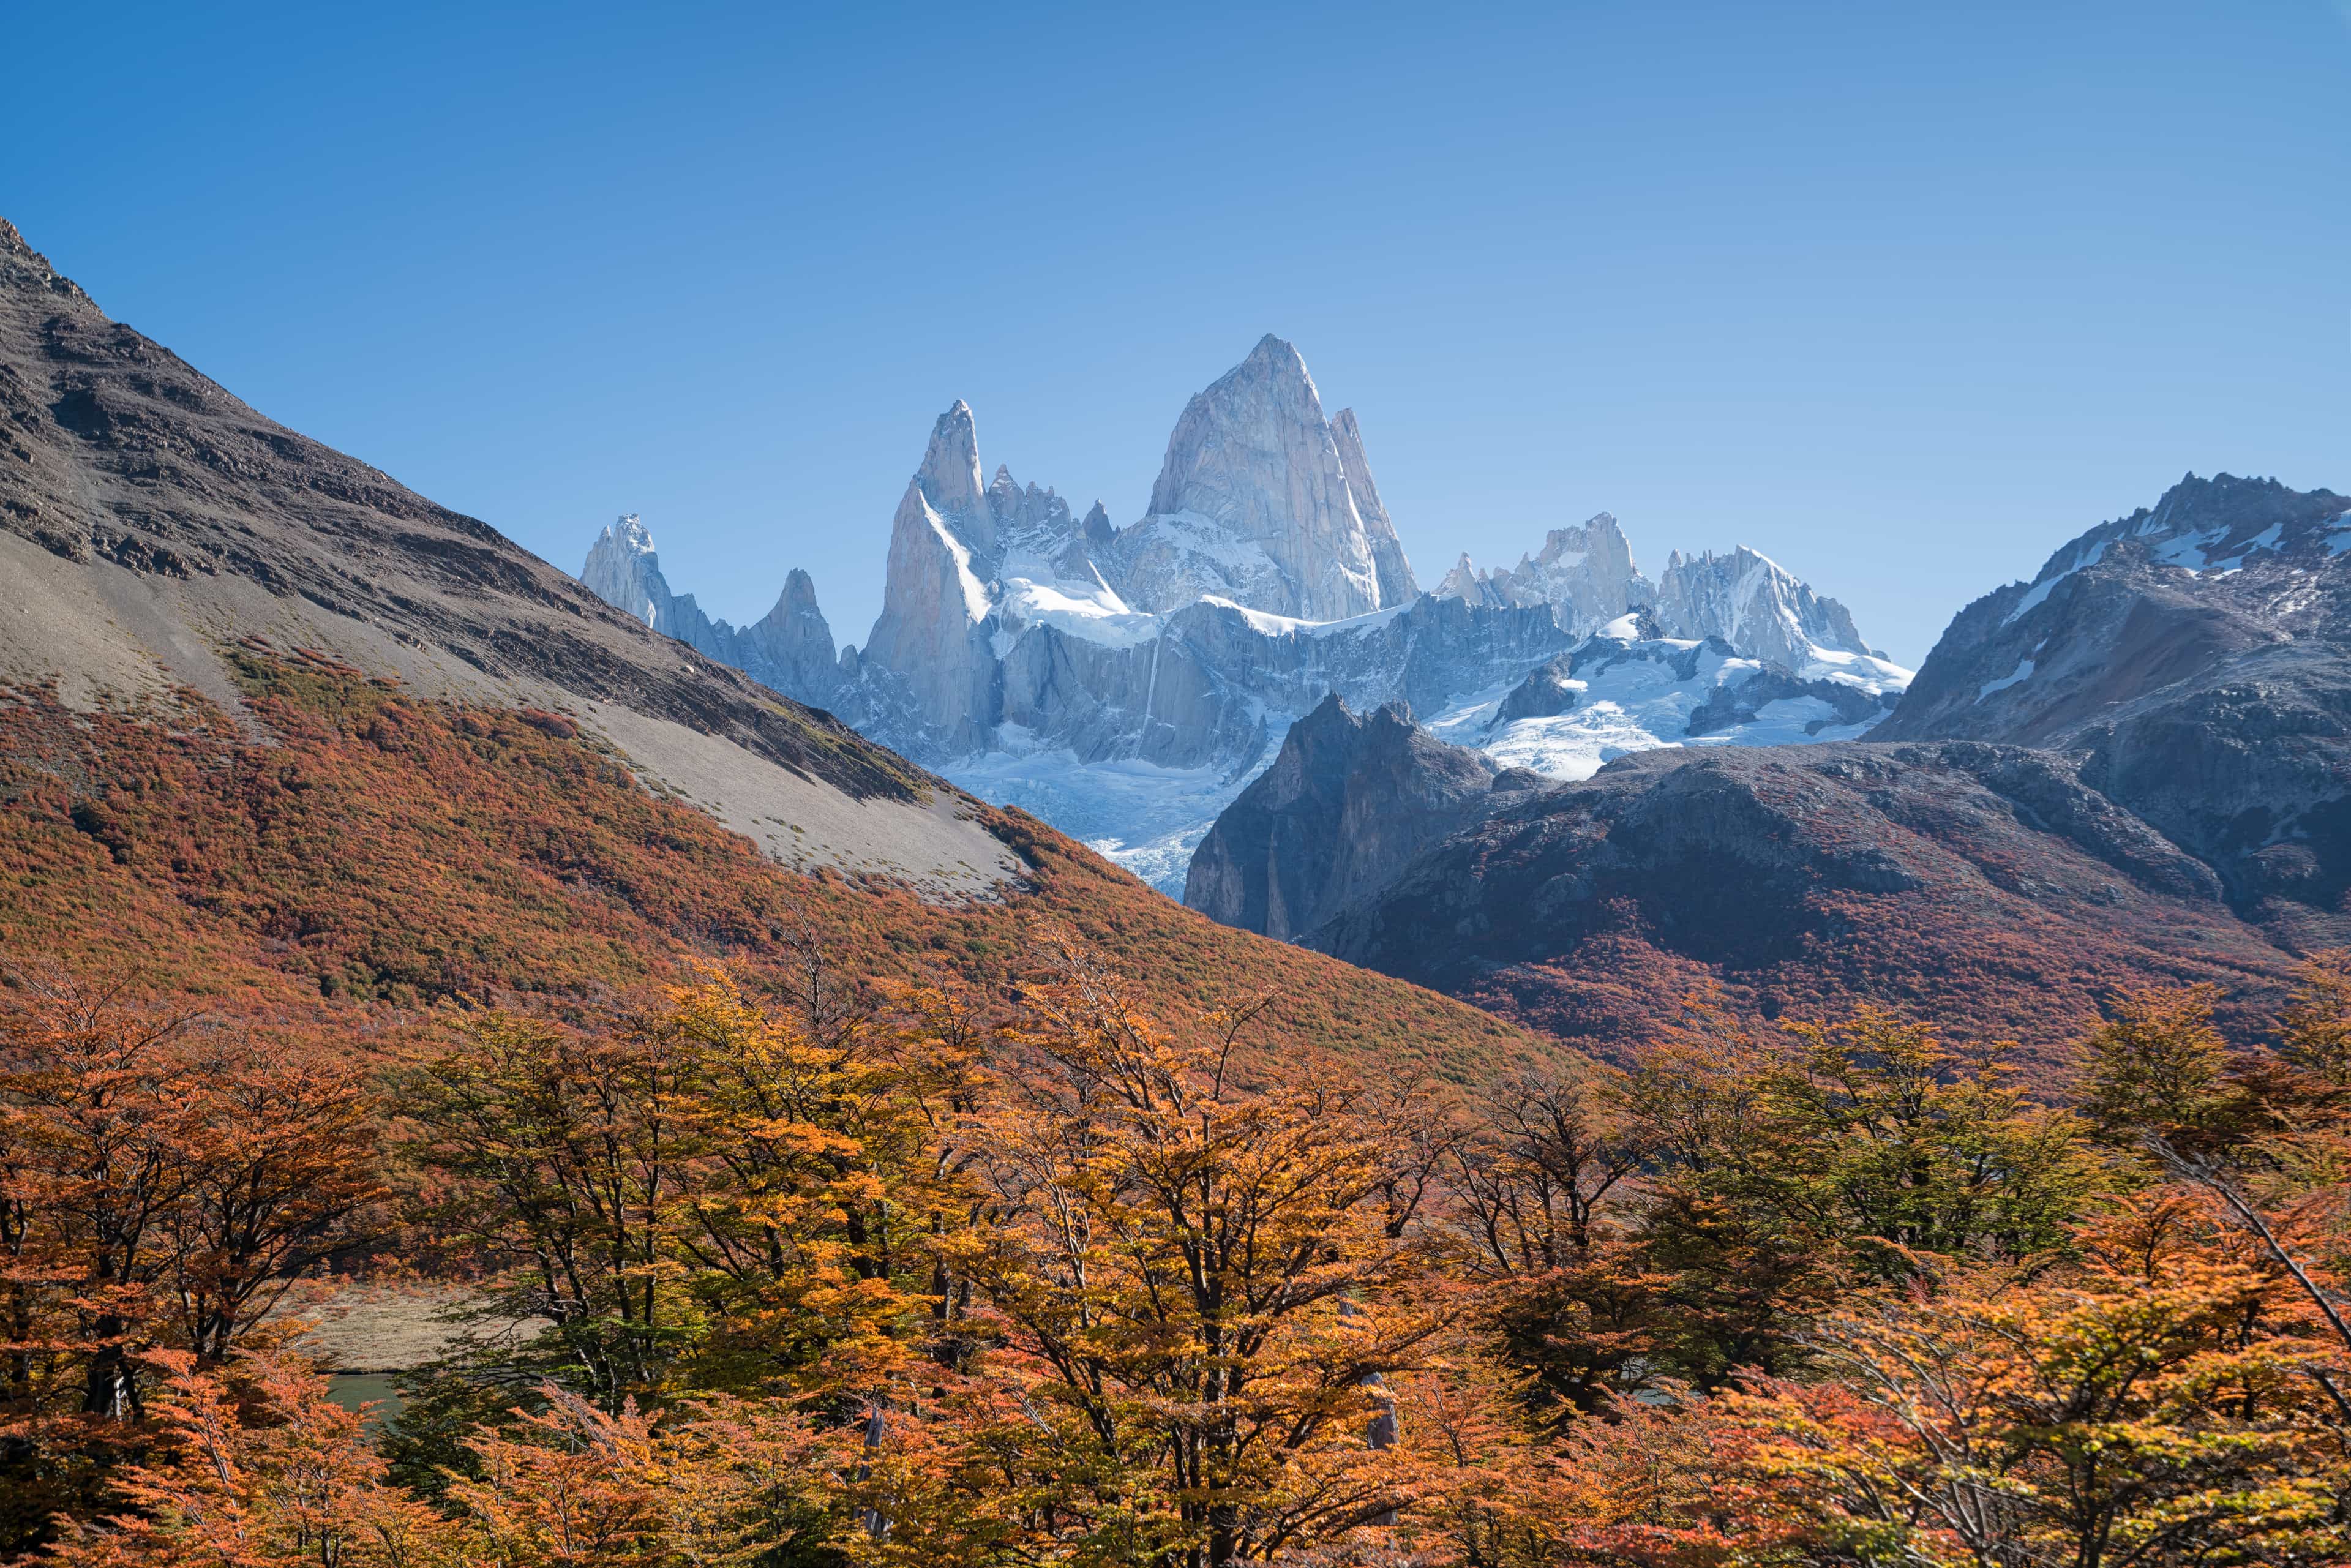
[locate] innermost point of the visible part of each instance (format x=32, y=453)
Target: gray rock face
x=1587, y=576
x=933, y=634
x=1347, y=802
x=971, y=567
x=788, y=650
x=2197, y=656
x=1464, y=582
x=1213, y=687
x=1003, y=617
x=1254, y=503
x=1397, y=585
x=1752, y=602
x=1584, y=573
x=1546, y=693
x=623, y=572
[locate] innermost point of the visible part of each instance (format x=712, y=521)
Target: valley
x=1636, y=1079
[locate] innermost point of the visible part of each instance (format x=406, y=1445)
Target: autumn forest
x=809, y=1269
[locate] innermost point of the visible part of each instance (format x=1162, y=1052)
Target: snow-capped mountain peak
x=1585, y=573
x=789, y=648
x=1752, y=602
x=949, y=476
x=623, y=570
x=1396, y=583
x=1463, y=582
x=1254, y=503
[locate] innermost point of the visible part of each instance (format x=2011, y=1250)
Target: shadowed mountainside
x=2197, y=656
x=1347, y=802
x=1980, y=885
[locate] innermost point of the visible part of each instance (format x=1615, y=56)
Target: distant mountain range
x=1125, y=682
x=2135, y=769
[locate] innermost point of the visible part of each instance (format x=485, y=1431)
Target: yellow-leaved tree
x=1208, y=1280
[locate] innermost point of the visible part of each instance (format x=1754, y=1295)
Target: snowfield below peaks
x=1614, y=696
x=1089, y=610
x=1576, y=745
x=1608, y=697
x=1870, y=672
x=1143, y=818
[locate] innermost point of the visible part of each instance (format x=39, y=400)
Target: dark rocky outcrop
x=1347, y=802
x=1986, y=884
x=1546, y=693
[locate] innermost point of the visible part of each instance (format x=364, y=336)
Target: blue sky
x=1901, y=294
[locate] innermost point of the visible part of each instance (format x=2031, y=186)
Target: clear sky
x=1901, y=294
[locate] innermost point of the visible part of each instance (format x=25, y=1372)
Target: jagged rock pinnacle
x=949, y=476
x=1254, y=503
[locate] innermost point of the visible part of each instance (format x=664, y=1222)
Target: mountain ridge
x=2134, y=769
x=1127, y=683
x=151, y=522
x=2198, y=654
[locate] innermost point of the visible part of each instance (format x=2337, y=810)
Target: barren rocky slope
x=1982, y=885
x=149, y=520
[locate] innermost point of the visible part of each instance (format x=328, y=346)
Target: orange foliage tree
x=2172, y=1389
x=163, y=1180
x=253, y=1465
x=1205, y=1283
x=2113, y=1419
